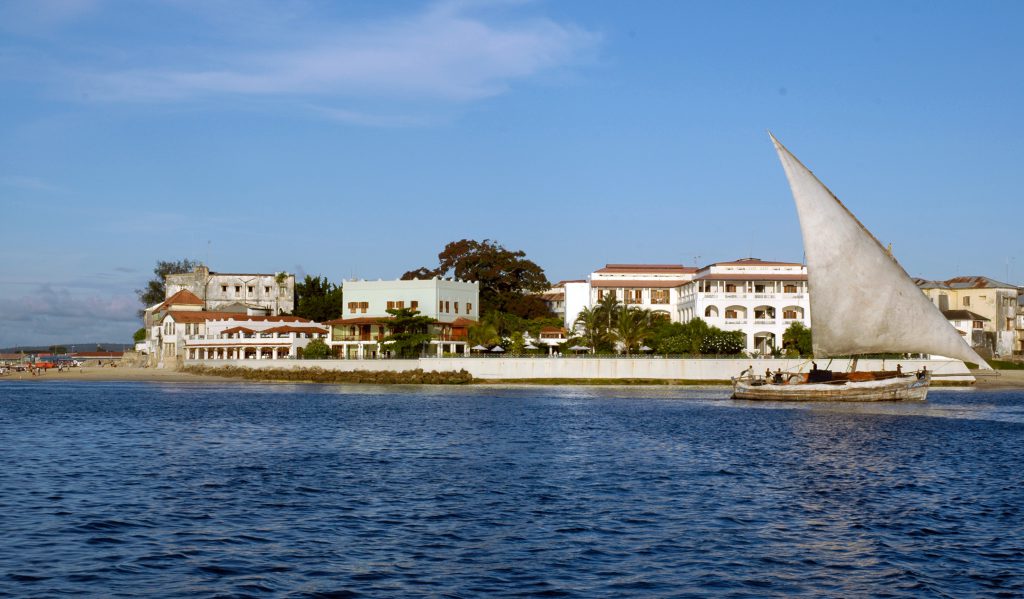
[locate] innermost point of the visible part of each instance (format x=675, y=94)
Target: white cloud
x=52, y=314
x=446, y=53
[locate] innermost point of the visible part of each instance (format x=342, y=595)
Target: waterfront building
x=970, y=325
x=209, y=335
x=757, y=297
x=654, y=287
x=361, y=331
x=270, y=294
x=995, y=301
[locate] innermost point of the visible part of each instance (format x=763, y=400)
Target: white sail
x=862, y=301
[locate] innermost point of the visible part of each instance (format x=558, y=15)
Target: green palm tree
x=631, y=328
x=590, y=319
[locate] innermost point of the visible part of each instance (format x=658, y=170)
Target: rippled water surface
x=128, y=489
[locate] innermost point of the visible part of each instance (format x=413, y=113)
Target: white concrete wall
x=577, y=297
x=600, y=368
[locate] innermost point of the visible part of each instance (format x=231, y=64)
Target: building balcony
x=735, y=321
x=765, y=296
x=764, y=321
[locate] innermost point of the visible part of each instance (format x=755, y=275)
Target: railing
x=764, y=296
x=764, y=321
x=735, y=321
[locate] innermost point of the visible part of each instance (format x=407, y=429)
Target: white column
x=273, y=355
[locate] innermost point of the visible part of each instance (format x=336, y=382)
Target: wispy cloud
x=450, y=52
x=28, y=183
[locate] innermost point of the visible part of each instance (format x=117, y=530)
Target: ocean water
x=233, y=490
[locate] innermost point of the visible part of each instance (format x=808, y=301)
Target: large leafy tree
x=798, y=337
x=316, y=350
x=507, y=279
x=409, y=332
x=318, y=300
x=155, y=290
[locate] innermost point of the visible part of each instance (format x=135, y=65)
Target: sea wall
x=603, y=368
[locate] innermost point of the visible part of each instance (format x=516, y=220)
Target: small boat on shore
x=862, y=302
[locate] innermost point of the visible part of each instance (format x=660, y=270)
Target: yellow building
x=991, y=299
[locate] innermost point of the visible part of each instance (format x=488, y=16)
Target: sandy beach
x=1006, y=379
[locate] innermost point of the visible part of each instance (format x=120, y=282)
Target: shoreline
x=1007, y=379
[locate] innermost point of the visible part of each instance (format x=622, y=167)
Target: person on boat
x=778, y=376
x=899, y=370
x=922, y=373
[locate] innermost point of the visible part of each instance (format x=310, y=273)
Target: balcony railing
x=764, y=321
x=735, y=321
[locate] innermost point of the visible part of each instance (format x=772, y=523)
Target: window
x=967, y=301
x=447, y=307
x=266, y=290
x=789, y=314
x=730, y=288
x=659, y=296
x=284, y=292
x=730, y=313
x=789, y=289
x=456, y=307
x=249, y=288
x=978, y=324
x=238, y=289
x=440, y=306
x=469, y=308
x=600, y=294
x=415, y=305
x=363, y=306
x=759, y=288
x=391, y=305
x=223, y=288
x=634, y=296
x=400, y=304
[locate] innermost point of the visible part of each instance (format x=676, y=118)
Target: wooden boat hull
x=904, y=388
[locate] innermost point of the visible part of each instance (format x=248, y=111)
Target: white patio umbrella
x=645, y=348
x=479, y=348
x=529, y=346
x=579, y=348
x=498, y=348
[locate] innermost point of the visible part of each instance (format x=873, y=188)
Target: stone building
x=270, y=294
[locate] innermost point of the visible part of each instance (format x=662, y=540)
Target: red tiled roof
x=652, y=283
x=750, y=277
x=182, y=298
x=461, y=322
x=754, y=262
x=553, y=330
x=647, y=268
x=234, y=330
x=290, y=329
x=204, y=316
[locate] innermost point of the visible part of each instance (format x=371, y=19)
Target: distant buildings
x=360, y=333
x=995, y=302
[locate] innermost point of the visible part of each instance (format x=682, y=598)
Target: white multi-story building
x=236, y=292
x=760, y=298
x=654, y=287
x=361, y=331
x=204, y=335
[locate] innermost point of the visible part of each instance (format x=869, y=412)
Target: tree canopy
x=797, y=338
x=316, y=350
x=409, y=332
x=155, y=290
x=317, y=299
x=507, y=279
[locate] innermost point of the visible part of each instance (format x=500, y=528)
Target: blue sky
x=357, y=138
